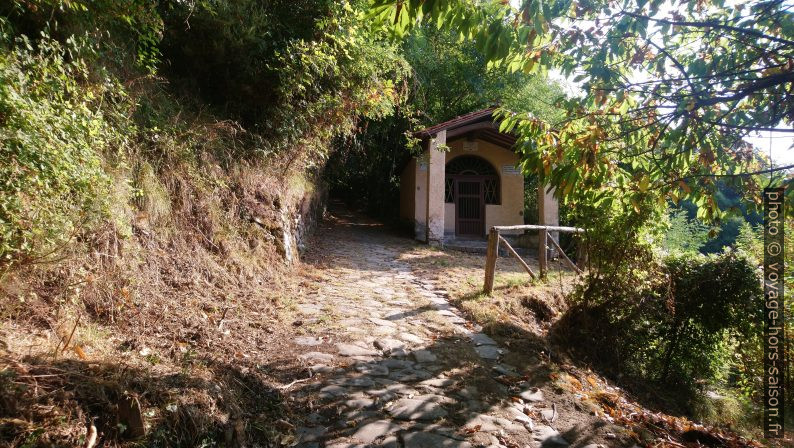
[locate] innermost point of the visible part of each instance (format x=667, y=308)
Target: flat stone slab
x=372, y=369
x=354, y=350
x=332, y=390
x=359, y=403
x=397, y=363
x=389, y=345
x=375, y=430
x=482, y=339
x=412, y=338
x=361, y=381
x=321, y=368
x=488, y=351
x=381, y=322
x=317, y=357
x=424, y=356
x=308, y=308
x=430, y=440
x=438, y=382
x=417, y=409
x=505, y=369
x=489, y=423
x=410, y=375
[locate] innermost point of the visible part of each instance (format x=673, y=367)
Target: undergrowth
x=145, y=225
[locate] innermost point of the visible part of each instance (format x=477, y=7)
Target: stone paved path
x=395, y=365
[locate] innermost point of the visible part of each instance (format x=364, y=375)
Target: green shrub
x=52, y=133
x=678, y=328
x=298, y=72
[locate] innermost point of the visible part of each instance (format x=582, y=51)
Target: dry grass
x=184, y=307
x=517, y=300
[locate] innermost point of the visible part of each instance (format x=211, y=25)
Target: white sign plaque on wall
x=422, y=166
x=511, y=170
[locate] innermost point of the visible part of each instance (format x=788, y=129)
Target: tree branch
x=712, y=24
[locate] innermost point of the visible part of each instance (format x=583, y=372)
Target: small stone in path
x=488, y=351
x=308, y=308
x=332, y=391
x=438, y=382
x=430, y=440
x=359, y=402
x=372, y=369
x=399, y=353
x=388, y=345
x=548, y=437
x=396, y=363
x=316, y=357
x=424, y=356
x=374, y=430
x=321, y=368
x=519, y=416
x=534, y=394
x=307, y=340
x=548, y=414
x=354, y=350
x=417, y=409
x=412, y=338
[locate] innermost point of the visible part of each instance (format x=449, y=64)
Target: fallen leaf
x=80, y=353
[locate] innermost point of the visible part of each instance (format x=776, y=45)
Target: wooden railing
x=495, y=239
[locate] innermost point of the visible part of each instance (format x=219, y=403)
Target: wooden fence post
x=490, y=259
x=542, y=252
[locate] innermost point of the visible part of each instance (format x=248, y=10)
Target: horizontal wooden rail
x=495, y=239
x=535, y=227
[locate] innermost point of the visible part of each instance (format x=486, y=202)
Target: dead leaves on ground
x=649, y=429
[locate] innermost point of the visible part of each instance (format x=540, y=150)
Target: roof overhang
x=475, y=125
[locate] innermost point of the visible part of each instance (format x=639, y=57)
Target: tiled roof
x=471, y=117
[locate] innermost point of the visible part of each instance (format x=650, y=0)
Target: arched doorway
x=471, y=183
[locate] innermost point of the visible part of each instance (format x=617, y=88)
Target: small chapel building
x=466, y=181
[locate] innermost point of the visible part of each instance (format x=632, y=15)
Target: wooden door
x=469, y=207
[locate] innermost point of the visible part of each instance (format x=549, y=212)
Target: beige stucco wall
x=413, y=185
x=435, y=186
x=420, y=198
x=511, y=209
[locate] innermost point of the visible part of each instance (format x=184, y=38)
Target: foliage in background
x=711, y=73
x=684, y=235
x=297, y=73
x=448, y=78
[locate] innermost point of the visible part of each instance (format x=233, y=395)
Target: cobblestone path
x=395, y=365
